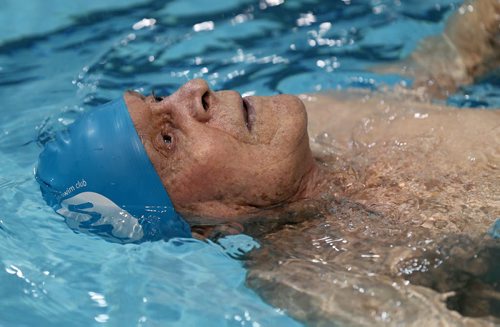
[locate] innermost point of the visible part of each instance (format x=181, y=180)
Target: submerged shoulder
x=357, y=119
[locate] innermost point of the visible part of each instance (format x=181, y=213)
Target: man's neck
x=312, y=183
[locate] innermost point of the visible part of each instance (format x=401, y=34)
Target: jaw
x=253, y=222
x=220, y=212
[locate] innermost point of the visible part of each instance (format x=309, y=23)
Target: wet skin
x=222, y=157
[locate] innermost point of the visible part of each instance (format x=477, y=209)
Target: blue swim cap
x=98, y=176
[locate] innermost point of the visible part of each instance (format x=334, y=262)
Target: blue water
x=61, y=58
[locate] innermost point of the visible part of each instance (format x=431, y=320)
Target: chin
x=292, y=118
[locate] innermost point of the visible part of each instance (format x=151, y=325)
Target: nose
x=195, y=88
x=188, y=100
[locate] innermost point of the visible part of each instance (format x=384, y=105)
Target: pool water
x=66, y=57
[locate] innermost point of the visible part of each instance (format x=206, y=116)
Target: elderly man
x=374, y=172
x=224, y=159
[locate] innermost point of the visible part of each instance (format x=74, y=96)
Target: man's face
x=220, y=155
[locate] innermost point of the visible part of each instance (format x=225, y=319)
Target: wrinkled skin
x=221, y=157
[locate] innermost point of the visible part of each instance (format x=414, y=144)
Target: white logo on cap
x=125, y=226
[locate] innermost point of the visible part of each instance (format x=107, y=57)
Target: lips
x=248, y=112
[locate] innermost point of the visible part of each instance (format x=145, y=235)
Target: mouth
x=248, y=113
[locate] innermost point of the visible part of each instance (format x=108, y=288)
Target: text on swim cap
x=79, y=184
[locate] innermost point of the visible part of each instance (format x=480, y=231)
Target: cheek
x=213, y=166
x=207, y=172
x=292, y=123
